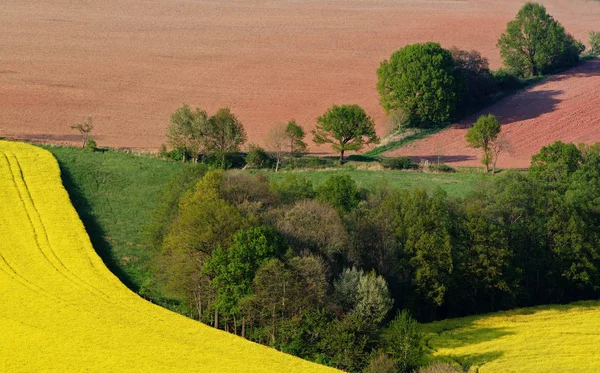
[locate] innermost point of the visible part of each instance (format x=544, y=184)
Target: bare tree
x=84, y=128
x=499, y=145
x=277, y=141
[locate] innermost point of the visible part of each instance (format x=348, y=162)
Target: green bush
x=90, y=145
x=441, y=167
x=257, y=157
x=339, y=191
x=294, y=188
x=507, y=79
x=595, y=42
x=398, y=163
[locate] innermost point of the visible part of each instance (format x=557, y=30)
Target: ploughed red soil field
x=130, y=63
x=564, y=107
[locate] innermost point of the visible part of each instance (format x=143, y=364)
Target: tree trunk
x=341, y=157
x=243, y=327
x=234, y=325
x=216, y=319
x=277, y=165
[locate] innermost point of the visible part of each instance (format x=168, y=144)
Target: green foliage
x=482, y=135
x=194, y=132
x=398, y=163
x=345, y=127
x=257, y=157
x=535, y=43
x=295, y=135
x=232, y=270
x=167, y=207
x=421, y=80
x=349, y=342
x=555, y=163
x=595, y=42
x=294, y=188
x=507, y=79
x=223, y=134
x=185, y=133
x=364, y=294
x=339, y=191
x=402, y=342
x=90, y=145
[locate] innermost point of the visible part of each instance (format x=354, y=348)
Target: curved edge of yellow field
x=63, y=310
x=553, y=338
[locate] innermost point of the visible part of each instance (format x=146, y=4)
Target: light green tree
x=482, y=135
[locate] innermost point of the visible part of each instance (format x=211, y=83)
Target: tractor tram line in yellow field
x=62, y=310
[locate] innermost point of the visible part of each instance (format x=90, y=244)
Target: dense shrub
x=398, y=163
x=90, y=145
x=257, y=157
x=441, y=167
x=294, y=188
x=339, y=191
x=507, y=79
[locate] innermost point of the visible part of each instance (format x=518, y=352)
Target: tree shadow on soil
x=94, y=230
x=520, y=107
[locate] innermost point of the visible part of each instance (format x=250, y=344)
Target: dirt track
x=130, y=63
x=565, y=107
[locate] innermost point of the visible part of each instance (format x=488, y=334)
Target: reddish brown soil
x=130, y=63
x=564, y=107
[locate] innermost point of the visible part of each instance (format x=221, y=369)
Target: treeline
x=312, y=271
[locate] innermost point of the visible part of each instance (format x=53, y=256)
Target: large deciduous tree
x=535, y=43
x=420, y=79
x=482, y=135
x=346, y=127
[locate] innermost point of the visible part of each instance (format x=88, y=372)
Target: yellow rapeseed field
x=564, y=338
x=62, y=310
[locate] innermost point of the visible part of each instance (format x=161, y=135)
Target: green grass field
x=455, y=184
x=557, y=338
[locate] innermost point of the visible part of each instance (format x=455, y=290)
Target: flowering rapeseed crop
x=563, y=338
x=62, y=310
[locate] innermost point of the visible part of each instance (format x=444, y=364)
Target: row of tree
x=312, y=271
x=193, y=135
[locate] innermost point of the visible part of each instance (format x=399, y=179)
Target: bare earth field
x=564, y=107
x=130, y=63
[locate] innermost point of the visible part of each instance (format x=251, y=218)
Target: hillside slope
x=62, y=310
x=560, y=338
x=563, y=107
